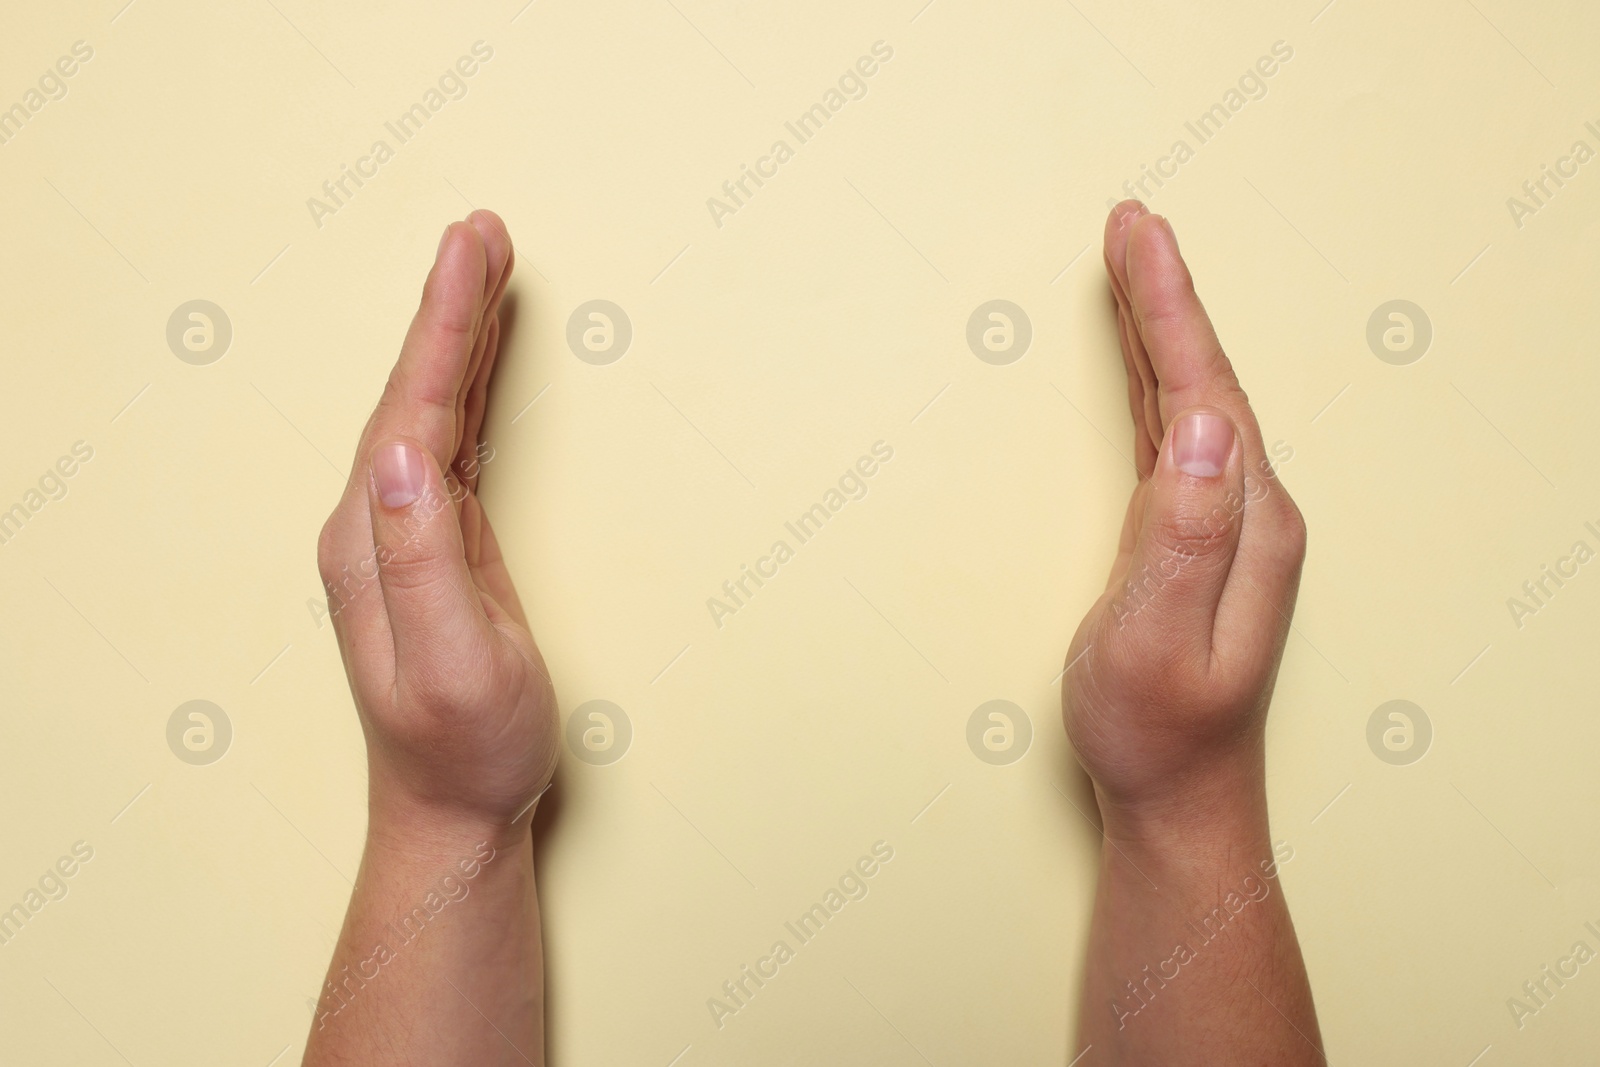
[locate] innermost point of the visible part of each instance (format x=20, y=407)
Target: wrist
x=1217, y=810
x=403, y=801
x=402, y=827
x=1194, y=865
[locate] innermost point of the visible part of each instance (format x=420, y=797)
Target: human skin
x=1165, y=700
x=439, y=960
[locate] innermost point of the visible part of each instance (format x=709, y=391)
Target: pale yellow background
x=769, y=354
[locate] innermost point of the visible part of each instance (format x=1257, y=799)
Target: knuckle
x=445, y=680
x=1159, y=673
x=1193, y=528
x=1142, y=645
x=1295, y=531
x=444, y=314
x=430, y=683
x=415, y=574
x=327, y=550
x=1290, y=531
x=457, y=325
x=1161, y=316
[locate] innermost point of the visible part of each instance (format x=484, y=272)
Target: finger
x=423, y=398
x=420, y=401
x=1192, y=370
x=1258, y=605
x=1141, y=397
x=1114, y=224
x=1146, y=415
x=1189, y=535
x=464, y=443
x=1144, y=450
x=498, y=256
x=355, y=599
x=501, y=251
x=432, y=603
x=488, y=566
x=471, y=456
x=1188, y=361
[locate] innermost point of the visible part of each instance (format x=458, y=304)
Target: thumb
x=429, y=595
x=1194, y=509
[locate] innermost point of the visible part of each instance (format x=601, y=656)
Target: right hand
x=1171, y=672
x=454, y=699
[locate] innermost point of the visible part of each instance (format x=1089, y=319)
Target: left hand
x=455, y=701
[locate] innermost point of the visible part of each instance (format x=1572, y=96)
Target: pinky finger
x=469, y=457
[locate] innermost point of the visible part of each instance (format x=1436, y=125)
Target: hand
x=454, y=699
x=1171, y=672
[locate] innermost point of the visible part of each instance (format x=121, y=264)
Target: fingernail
x=442, y=239
x=1201, y=444
x=1132, y=213
x=398, y=470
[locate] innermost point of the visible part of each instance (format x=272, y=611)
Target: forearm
x=440, y=959
x=1192, y=954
